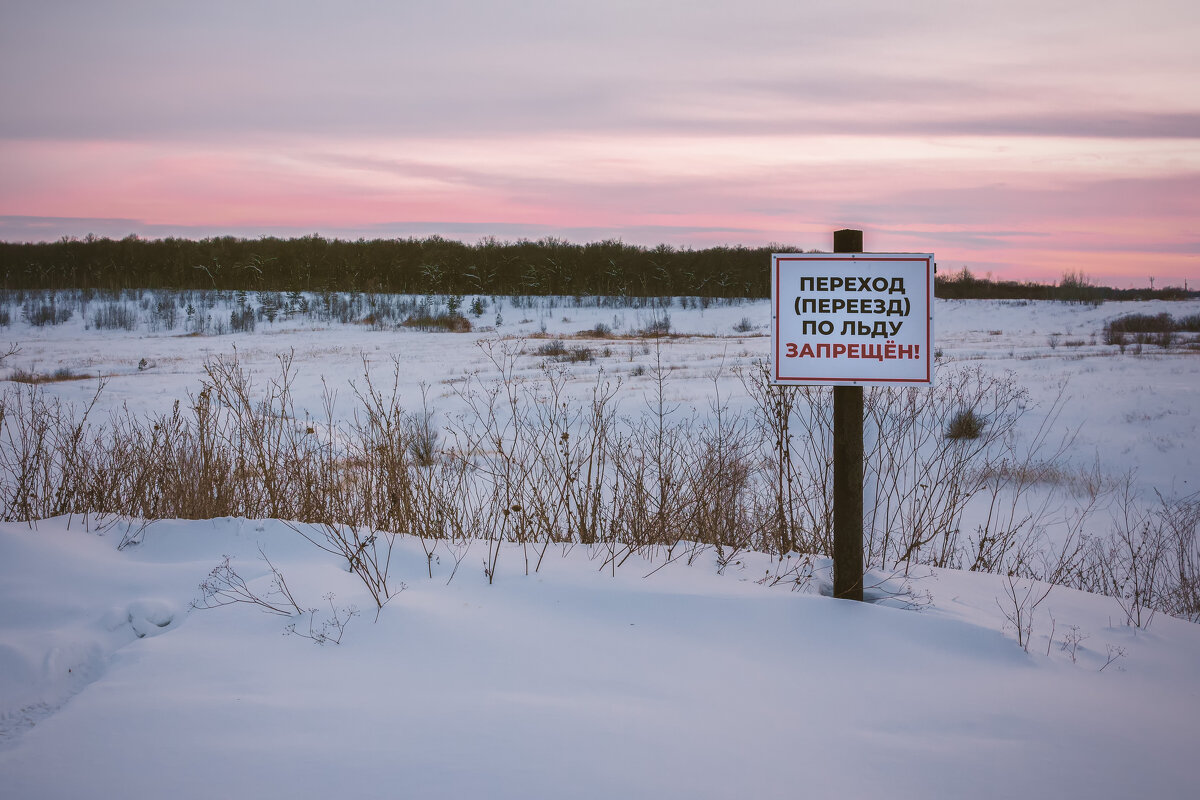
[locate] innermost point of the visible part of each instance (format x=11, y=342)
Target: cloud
x=217, y=71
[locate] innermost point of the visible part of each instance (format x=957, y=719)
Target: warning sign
x=852, y=319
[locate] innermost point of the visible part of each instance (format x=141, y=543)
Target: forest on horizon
x=436, y=265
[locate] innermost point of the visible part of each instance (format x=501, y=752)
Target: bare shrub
x=115, y=316
x=50, y=455
x=797, y=422
x=332, y=626
x=559, y=351
x=721, y=496
x=1021, y=600
x=1114, y=653
x=1131, y=560
x=266, y=446
x=39, y=312
x=169, y=466
x=366, y=551
x=600, y=331
x=919, y=481
x=651, y=467
x=1071, y=641
x=1148, y=561
x=773, y=405
x=1142, y=323
x=364, y=488
x=539, y=465
x=1181, y=524
x=659, y=325
x=225, y=586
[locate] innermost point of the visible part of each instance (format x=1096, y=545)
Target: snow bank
x=569, y=682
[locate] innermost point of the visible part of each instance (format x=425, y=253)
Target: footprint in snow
x=144, y=617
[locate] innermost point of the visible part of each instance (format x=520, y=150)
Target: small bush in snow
x=659, y=326
x=558, y=351
x=965, y=424
x=601, y=331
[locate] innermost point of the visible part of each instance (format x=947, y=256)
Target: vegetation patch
x=654, y=482
x=451, y=322
x=60, y=374
x=601, y=331
x=1159, y=329
x=745, y=325
x=41, y=314
x=115, y=316
x=965, y=424
x=658, y=328
x=558, y=351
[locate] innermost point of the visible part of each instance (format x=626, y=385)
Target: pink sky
x=1024, y=139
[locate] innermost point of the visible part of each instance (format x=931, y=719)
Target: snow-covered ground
x=577, y=680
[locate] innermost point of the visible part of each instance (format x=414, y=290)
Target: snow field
x=578, y=681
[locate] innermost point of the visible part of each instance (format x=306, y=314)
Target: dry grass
x=525, y=462
x=557, y=350
x=36, y=378
x=965, y=424
x=1082, y=482
x=450, y=322
x=522, y=464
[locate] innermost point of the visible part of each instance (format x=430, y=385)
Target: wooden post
x=848, y=468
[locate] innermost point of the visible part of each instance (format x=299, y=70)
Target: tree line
x=435, y=265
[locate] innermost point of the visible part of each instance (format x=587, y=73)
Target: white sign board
x=852, y=319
